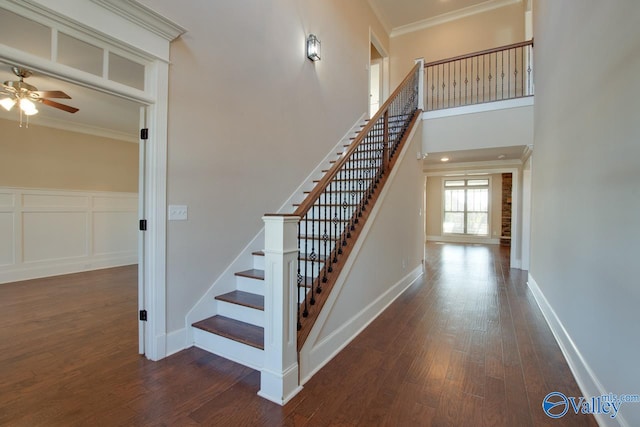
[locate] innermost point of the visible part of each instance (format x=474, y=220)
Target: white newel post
x=420, y=83
x=279, y=380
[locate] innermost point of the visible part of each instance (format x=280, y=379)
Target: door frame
x=106, y=24
x=384, y=67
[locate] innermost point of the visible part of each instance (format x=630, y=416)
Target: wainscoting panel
x=51, y=232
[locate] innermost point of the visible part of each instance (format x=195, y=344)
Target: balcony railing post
x=421, y=93
x=279, y=374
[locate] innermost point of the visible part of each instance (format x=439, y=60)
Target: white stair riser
x=247, y=284
x=241, y=313
x=258, y=262
x=229, y=349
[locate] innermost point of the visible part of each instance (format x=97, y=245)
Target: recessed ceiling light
x=444, y=159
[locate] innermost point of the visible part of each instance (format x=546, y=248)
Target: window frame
x=466, y=187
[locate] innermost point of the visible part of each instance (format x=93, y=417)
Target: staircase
x=254, y=322
x=236, y=332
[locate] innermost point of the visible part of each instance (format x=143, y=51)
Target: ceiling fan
x=25, y=95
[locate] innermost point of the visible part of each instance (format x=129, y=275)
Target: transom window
x=466, y=207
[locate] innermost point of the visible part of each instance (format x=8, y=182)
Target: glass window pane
x=453, y=222
x=454, y=183
x=477, y=182
x=478, y=200
x=477, y=223
x=454, y=200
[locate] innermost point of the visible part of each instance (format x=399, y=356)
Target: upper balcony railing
x=490, y=75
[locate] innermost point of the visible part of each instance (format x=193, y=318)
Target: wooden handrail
x=480, y=53
x=335, y=169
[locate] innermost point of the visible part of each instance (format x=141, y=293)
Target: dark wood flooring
x=465, y=345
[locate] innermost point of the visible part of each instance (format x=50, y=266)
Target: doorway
x=378, y=75
x=97, y=31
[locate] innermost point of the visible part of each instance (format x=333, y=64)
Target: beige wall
x=585, y=188
x=486, y=30
x=249, y=118
x=41, y=157
x=435, y=199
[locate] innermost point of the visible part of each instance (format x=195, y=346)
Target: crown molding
x=451, y=16
x=141, y=15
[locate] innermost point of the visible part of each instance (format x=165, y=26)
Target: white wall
x=50, y=232
x=387, y=259
x=469, y=128
x=249, y=118
x=586, y=190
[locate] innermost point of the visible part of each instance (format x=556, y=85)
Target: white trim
x=470, y=168
x=525, y=101
x=451, y=16
x=587, y=380
x=329, y=347
x=176, y=341
x=464, y=239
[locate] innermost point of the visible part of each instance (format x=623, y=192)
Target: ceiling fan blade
x=58, y=105
x=51, y=94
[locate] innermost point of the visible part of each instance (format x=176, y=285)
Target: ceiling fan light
x=7, y=103
x=31, y=112
x=28, y=107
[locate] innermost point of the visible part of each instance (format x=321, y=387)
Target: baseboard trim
x=464, y=239
x=329, y=347
x=176, y=341
x=57, y=268
x=587, y=380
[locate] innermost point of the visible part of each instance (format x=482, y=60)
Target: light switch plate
x=178, y=212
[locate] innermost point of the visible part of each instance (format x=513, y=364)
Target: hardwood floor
x=466, y=345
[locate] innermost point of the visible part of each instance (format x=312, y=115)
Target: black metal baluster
x=325, y=236
x=502, y=75
x=299, y=280
x=305, y=313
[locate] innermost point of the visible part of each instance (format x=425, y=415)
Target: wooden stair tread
x=234, y=330
x=252, y=274
x=245, y=299
x=258, y=253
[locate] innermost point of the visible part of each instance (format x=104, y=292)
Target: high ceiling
x=100, y=112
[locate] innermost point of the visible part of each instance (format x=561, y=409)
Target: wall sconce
x=313, y=48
